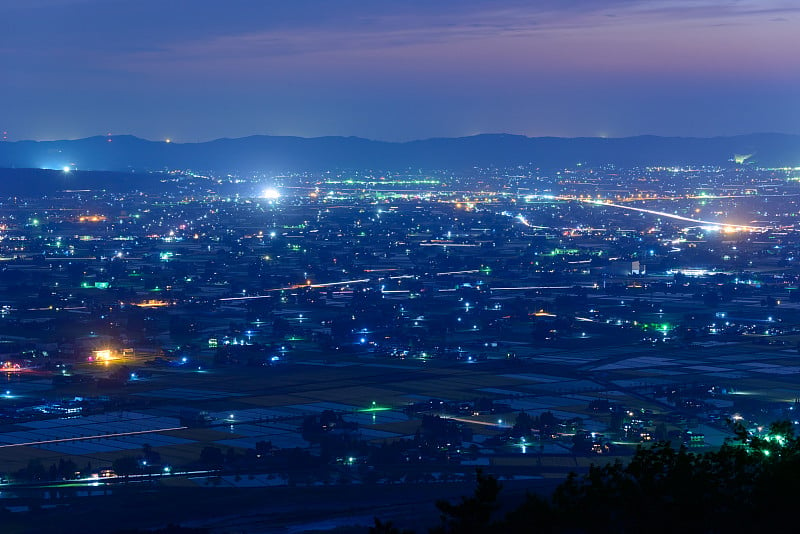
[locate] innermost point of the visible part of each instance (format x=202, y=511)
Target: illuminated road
x=298, y=286
x=525, y=288
x=342, y=283
x=697, y=222
x=605, y=203
x=474, y=422
x=97, y=436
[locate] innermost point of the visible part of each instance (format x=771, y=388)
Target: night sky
x=398, y=69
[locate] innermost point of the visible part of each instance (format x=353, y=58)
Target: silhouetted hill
x=270, y=154
x=41, y=182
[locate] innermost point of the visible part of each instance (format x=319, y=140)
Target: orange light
x=91, y=218
x=151, y=303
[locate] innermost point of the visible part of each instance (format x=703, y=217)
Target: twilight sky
x=398, y=69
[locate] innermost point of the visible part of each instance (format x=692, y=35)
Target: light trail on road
x=697, y=222
x=474, y=422
x=97, y=436
x=606, y=203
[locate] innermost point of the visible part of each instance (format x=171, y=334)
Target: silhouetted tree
x=125, y=466
x=473, y=515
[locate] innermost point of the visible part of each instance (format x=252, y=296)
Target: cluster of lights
x=270, y=194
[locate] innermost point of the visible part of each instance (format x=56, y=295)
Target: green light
x=661, y=327
x=780, y=440
x=562, y=252
x=375, y=408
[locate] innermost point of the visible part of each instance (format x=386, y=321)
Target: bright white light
x=66, y=168
x=271, y=194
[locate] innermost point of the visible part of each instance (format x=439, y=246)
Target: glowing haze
x=200, y=69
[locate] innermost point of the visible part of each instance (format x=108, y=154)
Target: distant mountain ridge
x=263, y=153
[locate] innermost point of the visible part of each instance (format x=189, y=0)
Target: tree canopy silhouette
x=752, y=483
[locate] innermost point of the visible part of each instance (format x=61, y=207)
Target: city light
x=346, y=283
x=270, y=194
x=385, y=281
x=103, y=355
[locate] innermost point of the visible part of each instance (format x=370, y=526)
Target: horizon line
x=170, y=140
